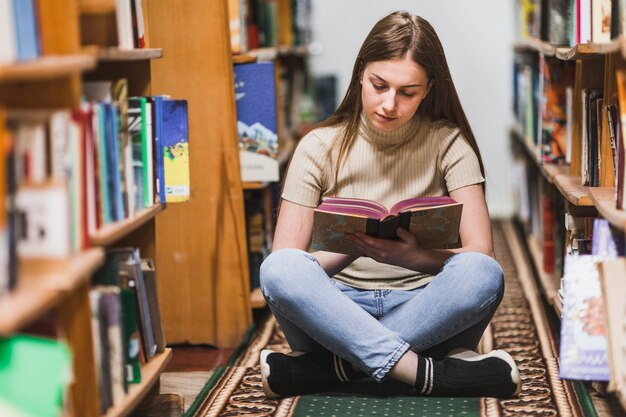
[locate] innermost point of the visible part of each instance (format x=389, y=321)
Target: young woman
x=399, y=311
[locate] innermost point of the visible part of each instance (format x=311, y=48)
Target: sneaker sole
x=265, y=374
x=471, y=356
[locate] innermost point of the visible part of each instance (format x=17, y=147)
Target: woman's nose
x=389, y=101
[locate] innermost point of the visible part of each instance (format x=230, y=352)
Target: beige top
x=420, y=159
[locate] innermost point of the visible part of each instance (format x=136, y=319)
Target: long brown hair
x=396, y=36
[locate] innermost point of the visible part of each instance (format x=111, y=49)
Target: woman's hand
x=403, y=252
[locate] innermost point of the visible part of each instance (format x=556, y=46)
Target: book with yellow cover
x=434, y=221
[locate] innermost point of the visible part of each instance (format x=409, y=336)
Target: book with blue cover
x=26, y=29
x=111, y=121
x=175, y=148
x=255, y=94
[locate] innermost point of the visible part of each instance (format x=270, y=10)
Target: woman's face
x=392, y=91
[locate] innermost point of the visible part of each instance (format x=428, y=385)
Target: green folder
x=34, y=374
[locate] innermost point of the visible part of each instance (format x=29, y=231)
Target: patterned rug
x=520, y=326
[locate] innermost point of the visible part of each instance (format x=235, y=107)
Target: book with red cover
x=433, y=220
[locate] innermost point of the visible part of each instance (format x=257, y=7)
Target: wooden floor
x=190, y=368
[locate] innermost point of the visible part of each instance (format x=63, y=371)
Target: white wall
x=477, y=37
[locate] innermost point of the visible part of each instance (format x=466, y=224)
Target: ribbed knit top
x=421, y=158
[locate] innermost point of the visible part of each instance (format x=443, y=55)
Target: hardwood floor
x=197, y=358
x=189, y=370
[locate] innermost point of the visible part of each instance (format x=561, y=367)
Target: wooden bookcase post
x=201, y=251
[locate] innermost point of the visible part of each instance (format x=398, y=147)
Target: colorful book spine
x=113, y=159
x=104, y=164
x=175, y=147
x=136, y=130
x=157, y=128
x=4, y=229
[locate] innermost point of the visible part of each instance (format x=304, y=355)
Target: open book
x=433, y=220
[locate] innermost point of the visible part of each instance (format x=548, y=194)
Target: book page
x=350, y=210
x=331, y=202
x=420, y=202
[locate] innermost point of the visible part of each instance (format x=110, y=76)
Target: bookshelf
x=150, y=374
x=594, y=67
x=59, y=288
x=39, y=290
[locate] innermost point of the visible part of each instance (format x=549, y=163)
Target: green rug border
x=584, y=398
x=217, y=374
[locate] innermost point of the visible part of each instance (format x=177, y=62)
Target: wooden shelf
x=255, y=185
x=566, y=53
x=111, y=233
x=550, y=282
x=568, y=185
x=256, y=299
x=604, y=200
x=269, y=54
x=262, y=54
x=46, y=67
x=96, y=6
x=150, y=374
x=588, y=50
x=43, y=285
x=536, y=45
x=122, y=55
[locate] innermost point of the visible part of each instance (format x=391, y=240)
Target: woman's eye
x=407, y=93
x=379, y=87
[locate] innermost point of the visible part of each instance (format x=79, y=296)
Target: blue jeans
x=372, y=329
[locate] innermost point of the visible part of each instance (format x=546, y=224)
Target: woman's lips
x=385, y=118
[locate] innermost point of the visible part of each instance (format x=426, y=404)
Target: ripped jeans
x=372, y=329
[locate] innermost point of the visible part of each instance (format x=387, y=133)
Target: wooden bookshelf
x=256, y=299
x=46, y=67
x=201, y=245
x=269, y=54
x=59, y=290
x=576, y=52
x=588, y=50
x=150, y=373
x=595, y=68
x=558, y=174
x=550, y=282
x=569, y=186
x=255, y=185
x=122, y=55
x=113, y=232
x=604, y=200
x=43, y=285
x=96, y=6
